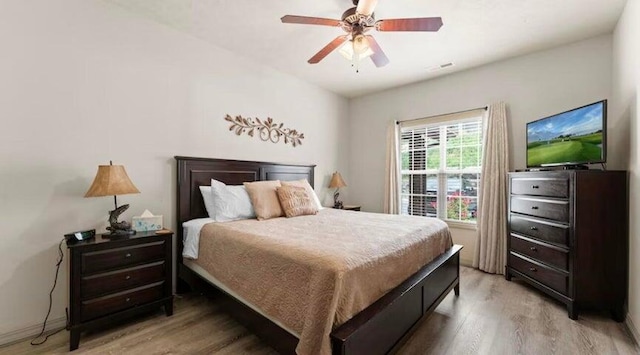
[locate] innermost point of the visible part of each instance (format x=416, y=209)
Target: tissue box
x=146, y=223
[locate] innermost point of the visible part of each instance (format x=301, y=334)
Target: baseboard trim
x=465, y=262
x=18, y=335
x=633, y=330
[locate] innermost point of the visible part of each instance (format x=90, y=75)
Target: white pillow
x=207, y=196
x=231, y=203
x=317, y=200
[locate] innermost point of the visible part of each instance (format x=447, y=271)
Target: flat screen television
x=574, y=137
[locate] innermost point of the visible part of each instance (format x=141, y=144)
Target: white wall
x=625, y=102
x=84, y=82
x=533, y=86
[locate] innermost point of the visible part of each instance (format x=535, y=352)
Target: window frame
x=441, y=172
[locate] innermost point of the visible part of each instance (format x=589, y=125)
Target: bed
x=377, y=326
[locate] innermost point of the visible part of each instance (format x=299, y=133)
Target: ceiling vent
x=440, y=67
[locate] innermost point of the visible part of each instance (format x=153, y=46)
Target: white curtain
x=491, y=247
x=392, y=171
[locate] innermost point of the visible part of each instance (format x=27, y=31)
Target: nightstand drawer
x=549, y=232
x=108, y=304
x=122, y=257
x=552, y=187
x=100, y=284
x=545, y=275
x=541, y=252
x=552, y=209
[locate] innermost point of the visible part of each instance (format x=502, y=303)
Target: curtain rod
x=446, y=114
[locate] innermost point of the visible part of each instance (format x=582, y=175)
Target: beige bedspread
x=313, y=273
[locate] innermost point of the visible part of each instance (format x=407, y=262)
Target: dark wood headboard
x=196, y=172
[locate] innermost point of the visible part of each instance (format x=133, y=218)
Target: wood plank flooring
x=491, y=316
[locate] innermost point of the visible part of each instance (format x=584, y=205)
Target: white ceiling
x=475, y=32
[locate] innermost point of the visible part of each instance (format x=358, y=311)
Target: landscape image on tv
x=570, y=137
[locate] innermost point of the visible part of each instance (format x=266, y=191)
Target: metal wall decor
x=267, y=130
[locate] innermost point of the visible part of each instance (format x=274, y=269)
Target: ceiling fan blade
x=304, y=20
x=378, y=57
x=327, y=49
x=366, y=7
x=430, y=24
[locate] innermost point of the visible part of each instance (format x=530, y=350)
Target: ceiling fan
x=357, y=21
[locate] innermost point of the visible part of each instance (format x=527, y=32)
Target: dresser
x=114, y=279
x=568, y=237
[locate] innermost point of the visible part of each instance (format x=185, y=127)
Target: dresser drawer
x=549, y=232
x=109, y=282
x=552, y=187
x=122, y=257
x=119, y=301
x=552, y=209
x=545, y=275
x=541, y=252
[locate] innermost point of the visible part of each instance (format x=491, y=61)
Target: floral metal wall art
x=267, y=130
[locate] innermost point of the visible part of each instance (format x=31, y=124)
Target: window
x=441, y=169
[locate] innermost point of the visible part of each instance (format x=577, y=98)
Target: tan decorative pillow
x=295, y=201
x=264, y=198
x=304, y=183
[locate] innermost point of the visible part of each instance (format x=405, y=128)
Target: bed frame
x=378, y=329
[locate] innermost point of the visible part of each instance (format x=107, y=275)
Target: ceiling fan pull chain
x=356, y=61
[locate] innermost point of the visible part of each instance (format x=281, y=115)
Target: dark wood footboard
x=379, y=329
x=386, y=324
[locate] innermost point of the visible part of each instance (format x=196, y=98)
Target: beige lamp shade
x=337, y=181
x=111, y=180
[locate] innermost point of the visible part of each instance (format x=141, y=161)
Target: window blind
x=440, y=170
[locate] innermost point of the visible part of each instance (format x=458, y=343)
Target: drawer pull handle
x=535, y=186
x=534, y=207
x=128, y=299
x=533, y=269
x=533, y=228
x=128, y=255
x=533, y=249
x=127, y=277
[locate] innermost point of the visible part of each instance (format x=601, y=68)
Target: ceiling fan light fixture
x=348, y=52
x=360, y=44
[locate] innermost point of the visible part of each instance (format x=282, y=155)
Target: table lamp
x=113, y=180
x=336, y=183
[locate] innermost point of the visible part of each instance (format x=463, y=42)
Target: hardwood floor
x=491, y=316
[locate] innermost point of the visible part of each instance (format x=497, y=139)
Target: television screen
x=572, y=137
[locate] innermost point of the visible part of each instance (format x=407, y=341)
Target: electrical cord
x=55, y=281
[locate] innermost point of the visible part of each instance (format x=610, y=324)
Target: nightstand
x=113, y=279
x=351, y=208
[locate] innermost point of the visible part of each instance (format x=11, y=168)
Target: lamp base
x=118, y=229
x=336, y=202
x=119, y=233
